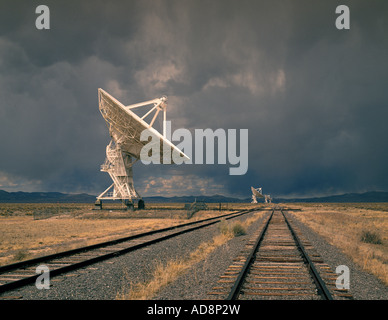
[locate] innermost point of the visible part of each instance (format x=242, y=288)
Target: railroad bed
x=278, y=263
x=24, y=272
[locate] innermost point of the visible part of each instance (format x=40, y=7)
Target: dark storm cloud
x=312, y=97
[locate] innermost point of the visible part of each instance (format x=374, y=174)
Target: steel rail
x=238, y=284
x=235, y=291
x=28, y=263
x=322, y=288
x=109, y=243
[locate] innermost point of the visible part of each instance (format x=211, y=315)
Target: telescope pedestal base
x=130, y=205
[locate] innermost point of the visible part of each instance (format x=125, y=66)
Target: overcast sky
x=314, y=98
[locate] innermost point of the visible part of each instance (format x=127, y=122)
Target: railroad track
x=278, y=263
x=24, y=272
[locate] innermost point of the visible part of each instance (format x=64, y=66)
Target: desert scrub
x=20, y=255
x=233, y=229
x=238, y=229
x=165, y=273
x=360, y=233
x=370, y=237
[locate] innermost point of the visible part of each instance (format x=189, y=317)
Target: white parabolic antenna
x=125, y=128
x=257, y=193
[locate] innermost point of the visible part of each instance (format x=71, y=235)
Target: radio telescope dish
x=125, y=128
x=257, y=193
x=267, y=198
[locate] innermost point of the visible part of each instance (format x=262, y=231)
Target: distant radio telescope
x=257, y=193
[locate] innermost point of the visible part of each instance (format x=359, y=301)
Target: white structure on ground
x=123, y=151
x=257, y=193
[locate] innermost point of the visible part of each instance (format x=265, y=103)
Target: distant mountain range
x=189, y=199
x=44, y=197
x=372, y=196
x=53, y=197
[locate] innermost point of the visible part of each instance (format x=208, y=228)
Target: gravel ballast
x=363, y=285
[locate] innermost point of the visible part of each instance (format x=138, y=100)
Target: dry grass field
x=31, y=230
x=359, y=230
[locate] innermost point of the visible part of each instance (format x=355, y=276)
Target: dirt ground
x=359, y=230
